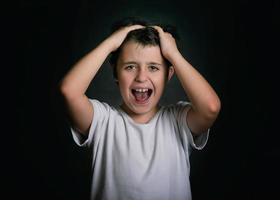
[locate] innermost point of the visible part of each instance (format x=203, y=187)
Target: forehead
x=136, y=52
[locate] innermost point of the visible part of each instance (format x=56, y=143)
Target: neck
x=141, y=118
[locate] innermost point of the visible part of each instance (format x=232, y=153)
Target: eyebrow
x=149, y=63
x=129, y=62
x=154, y=63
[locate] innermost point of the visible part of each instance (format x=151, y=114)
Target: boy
x=140, y=149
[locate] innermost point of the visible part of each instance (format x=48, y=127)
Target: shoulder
x=176, y=108
x=101, y=105
x=102, y=109
x=174, y=112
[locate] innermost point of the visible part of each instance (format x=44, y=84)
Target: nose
x=141, y=75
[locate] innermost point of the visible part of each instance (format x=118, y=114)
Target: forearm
x=77, y=80
x=202, y=96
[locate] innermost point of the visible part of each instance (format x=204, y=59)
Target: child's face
x=142, y=75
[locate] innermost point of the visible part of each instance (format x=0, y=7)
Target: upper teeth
x=141, y=90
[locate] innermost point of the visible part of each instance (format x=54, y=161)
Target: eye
x=153, y=68
x=129, y=67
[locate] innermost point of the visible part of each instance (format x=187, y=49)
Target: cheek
x=124, y=82
x=160, y=80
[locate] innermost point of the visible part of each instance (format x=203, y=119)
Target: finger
x=134, y=27
x=169, y=34
x=159, y=29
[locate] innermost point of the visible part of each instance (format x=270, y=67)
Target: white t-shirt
x=140, y=161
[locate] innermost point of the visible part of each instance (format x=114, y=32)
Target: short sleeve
x=198, y=142
x=99, y=120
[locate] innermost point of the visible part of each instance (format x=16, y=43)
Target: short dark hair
x=147, y=36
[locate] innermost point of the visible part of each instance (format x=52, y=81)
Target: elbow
x=214, y=108
x=65, y=91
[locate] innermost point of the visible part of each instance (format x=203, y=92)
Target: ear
x=170, y=72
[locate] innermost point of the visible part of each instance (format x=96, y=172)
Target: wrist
x=109, y=45
x=173, y=56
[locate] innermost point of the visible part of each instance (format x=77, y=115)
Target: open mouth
x=142, y=95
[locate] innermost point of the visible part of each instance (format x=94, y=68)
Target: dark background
x=234, y=44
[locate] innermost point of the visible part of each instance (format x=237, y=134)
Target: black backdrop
x=232, y=43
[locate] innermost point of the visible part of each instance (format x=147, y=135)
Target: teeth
x=141, y=90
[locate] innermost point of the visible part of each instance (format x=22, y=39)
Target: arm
x=75, y=83
x=205, y=102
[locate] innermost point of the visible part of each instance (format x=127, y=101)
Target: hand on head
x=119, y=35
x=167, y=42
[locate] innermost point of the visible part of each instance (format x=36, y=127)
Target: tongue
x=141, y=96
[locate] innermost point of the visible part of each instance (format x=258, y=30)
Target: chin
x=141, y=111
